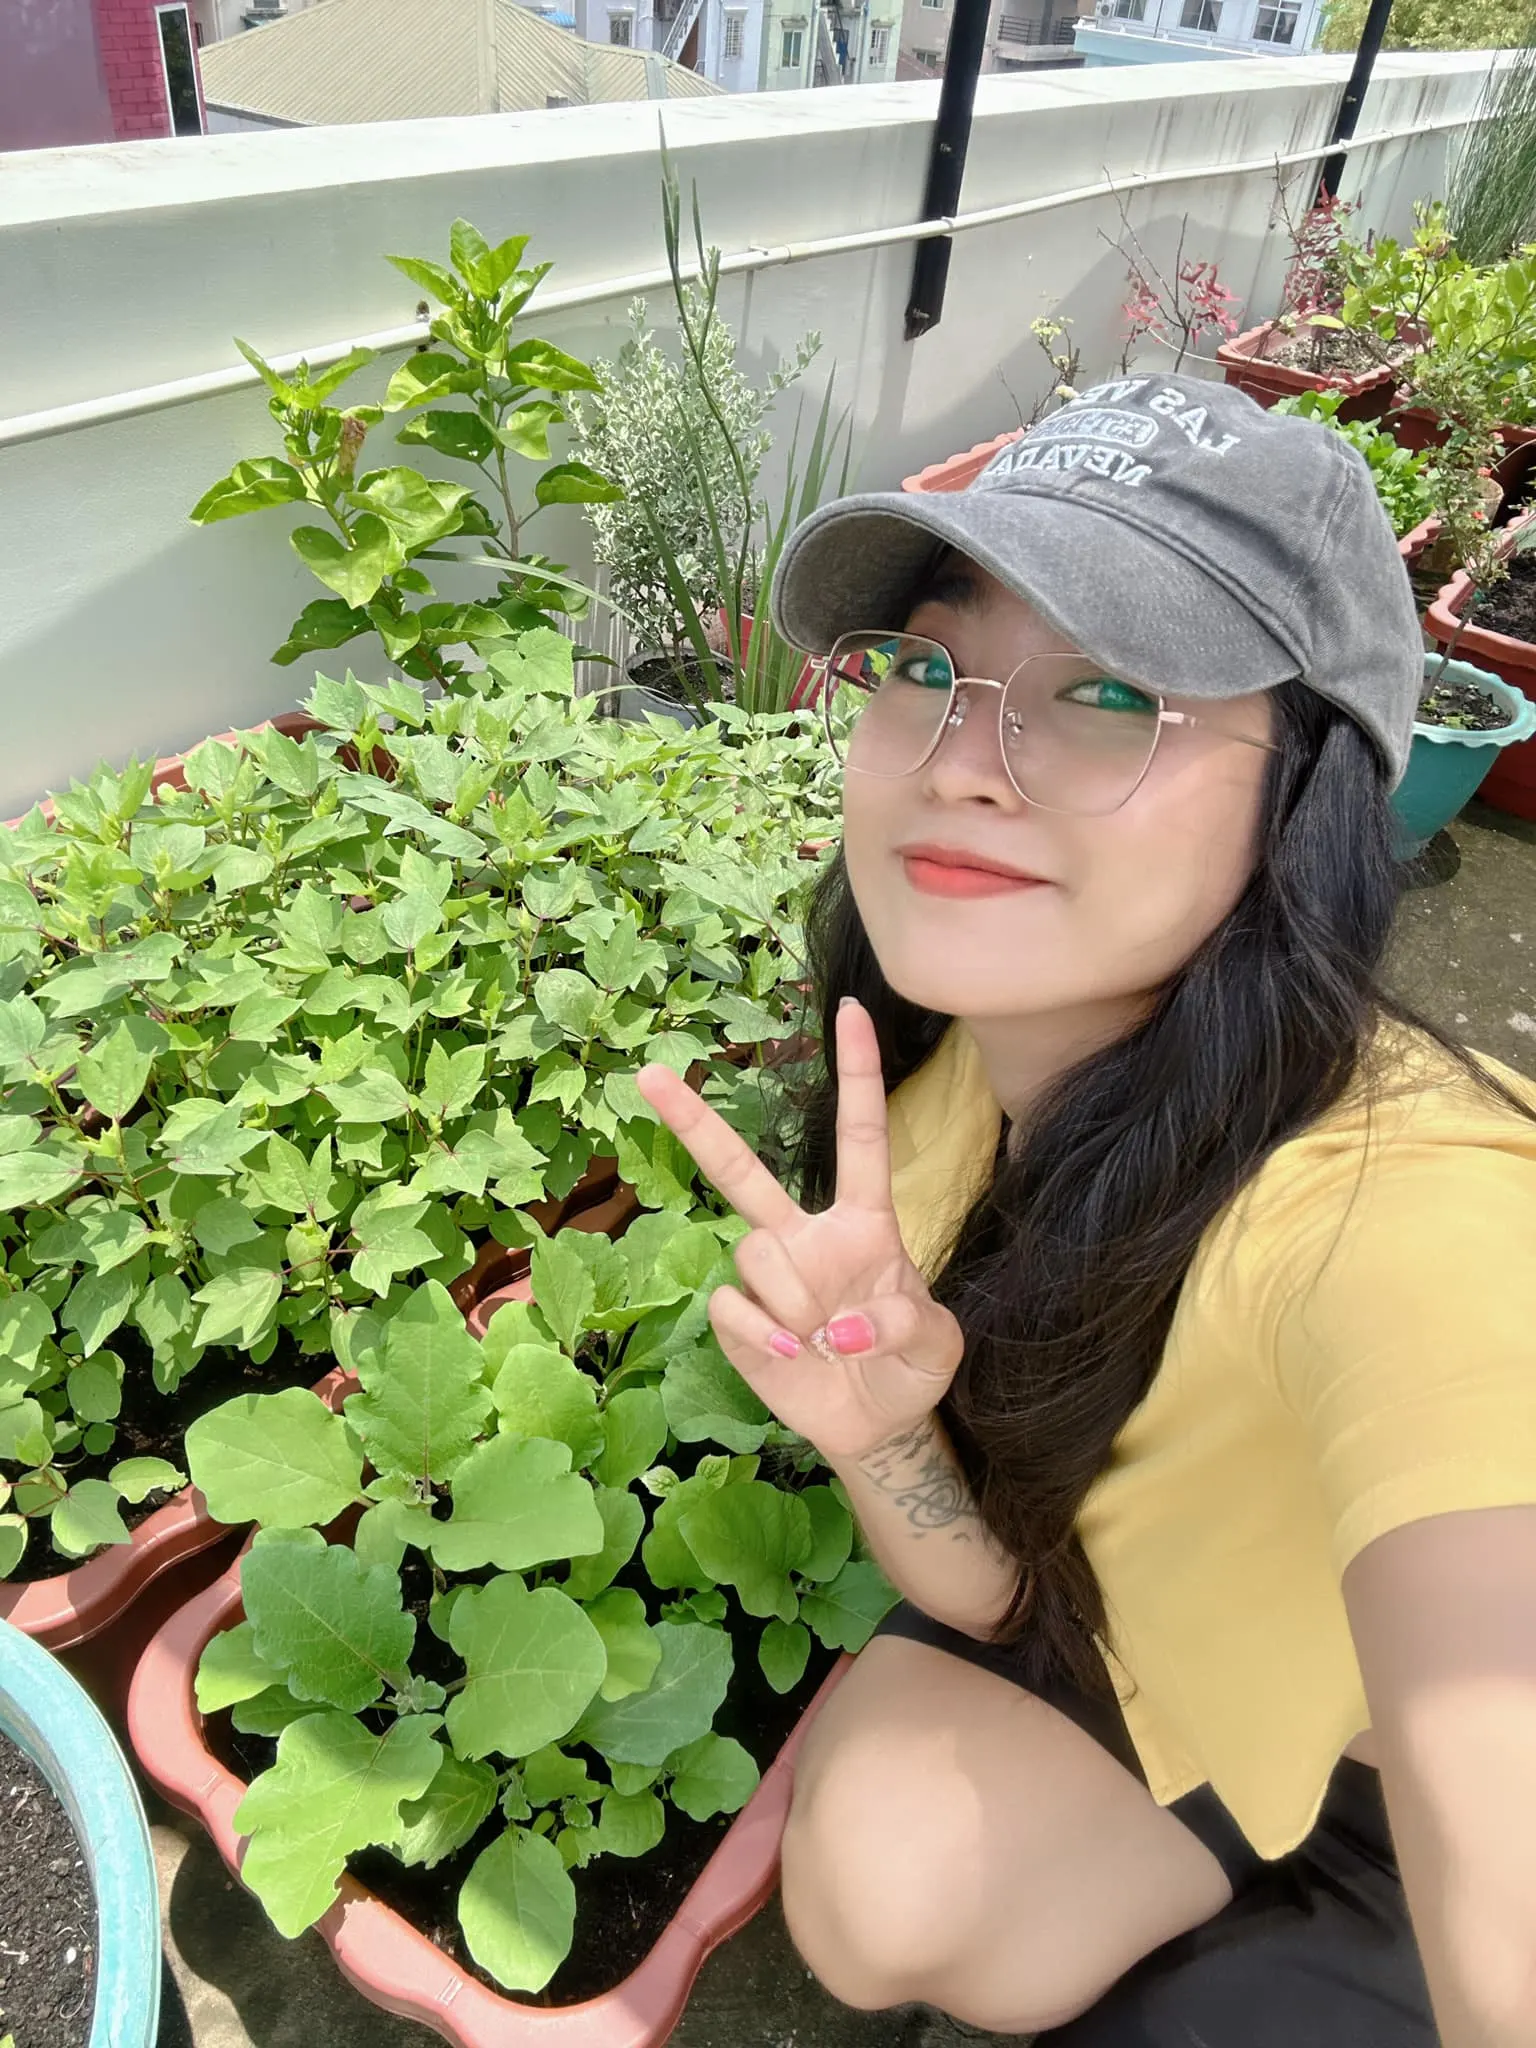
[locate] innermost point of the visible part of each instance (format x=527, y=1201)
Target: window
x=1204, y=15
x=621, y=30
x=879, y=43
x=938, y=4
x=1277, y=24
x=1129, y=10
x=792, y=52
x=180, y=70
x=735, y=37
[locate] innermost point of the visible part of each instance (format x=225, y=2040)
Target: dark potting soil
x=1461, y=707
x=622, y=1905
x=675, y=676
x=47, y=1913
x=154, y=1425
x=1510, y=607
x=1337, y=352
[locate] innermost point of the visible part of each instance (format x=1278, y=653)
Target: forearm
x=919, y=1517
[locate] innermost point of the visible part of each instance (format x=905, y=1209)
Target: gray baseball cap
x=1170, y=528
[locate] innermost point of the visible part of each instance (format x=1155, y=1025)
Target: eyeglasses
x=1072, y=740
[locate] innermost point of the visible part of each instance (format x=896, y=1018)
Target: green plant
x=587, y=1555
x=286, y=1042
x=1491, y=196
x=650, y=407
x=763, y=670
x=385, y=524
x=1406, y=481
x=1428, y=25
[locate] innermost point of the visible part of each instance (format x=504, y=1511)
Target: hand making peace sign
x=833, y=1326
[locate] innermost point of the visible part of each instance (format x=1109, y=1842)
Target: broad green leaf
x=517, y=1503
x=164, y=1310
x=385, y=1225
x=13, y=1543
x=204, y=1136
x=288, y=1180
x=112, y=1237
x=137, y=1478
x=262, y=480
x=539, y=1393
x=268, y=1712
x=427, y=375
x=633, y=1649
x=416, y=509
x=447, y=1814
x=25, y=1326
x=330, y=1624
x=543, y=367
x=532, y=1661
x=569, y=1000
x=26, y=1437
x=751, y=1537
x=630, y=1824
x=96, y=1388
x=231, y=1669
x=517, y=1908
x=354, y=572
x=280, y=1459
x=783, y=1651
x=677, y=1706
x=525, y=430
x=238, y=1306
x=634, y=1435
x=423, y=1401
x=98, y=1304
x=334, y=1789
x=372, y=1097
x=411, y=917
x=111, y=1075
x=713, y=1775
x=576, y=483
x=549, y=1775
x=23, y=1028
x=707, y=1401
x=462, y=436
x=623, y=1520
x=88, y=1516
x=222, y=1224
x=831, y=1534
x=563, y=1286
x=258, y=1018
x=451, y=1080
x=668, y=1558
x=845, y=1613
x=28, y=1178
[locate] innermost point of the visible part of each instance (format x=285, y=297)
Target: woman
x=1171, y=1326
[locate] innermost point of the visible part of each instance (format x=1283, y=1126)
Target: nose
x=968, y=766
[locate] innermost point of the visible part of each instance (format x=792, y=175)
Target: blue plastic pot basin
x=1445, y=767
x=57, y=1724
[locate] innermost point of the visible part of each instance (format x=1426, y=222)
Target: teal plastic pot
x=57, y=1724
x=1445, y=767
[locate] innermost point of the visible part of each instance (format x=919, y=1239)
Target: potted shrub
x=570, y=1568
x=1466, y=717
x=78, y=1901
x=281, y=1043
x=1488, y=612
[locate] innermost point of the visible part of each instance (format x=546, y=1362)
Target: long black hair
x=1066, y=1273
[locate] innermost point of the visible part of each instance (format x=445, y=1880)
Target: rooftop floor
x=1466, y=954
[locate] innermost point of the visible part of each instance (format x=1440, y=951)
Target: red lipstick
x=953, y=871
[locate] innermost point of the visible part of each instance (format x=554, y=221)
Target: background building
x=96, y=71
x=1022, y=35
x=1174, y=31
x=213, y=20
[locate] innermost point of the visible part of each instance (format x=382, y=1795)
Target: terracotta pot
x=1424, y=535
x=74, y=1606
x=1511, y=782
x=959, y=471
x=380, y=1953
x=1245, y=363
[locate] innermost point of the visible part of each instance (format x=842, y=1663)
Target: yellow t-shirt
x=1354, y=1348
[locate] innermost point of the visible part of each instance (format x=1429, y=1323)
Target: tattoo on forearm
x=918, y=1472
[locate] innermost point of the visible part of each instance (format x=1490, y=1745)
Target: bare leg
x=954, y=1839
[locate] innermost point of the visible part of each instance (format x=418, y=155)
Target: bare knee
x=882, y=1866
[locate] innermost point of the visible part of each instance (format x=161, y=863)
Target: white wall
x=123, y=627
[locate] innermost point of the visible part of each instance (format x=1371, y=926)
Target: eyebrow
x=951, y=579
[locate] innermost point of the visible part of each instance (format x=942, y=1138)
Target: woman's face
x=1118, y=902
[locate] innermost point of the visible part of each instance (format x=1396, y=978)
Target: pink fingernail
x=851, y=1333
x=784, y=1344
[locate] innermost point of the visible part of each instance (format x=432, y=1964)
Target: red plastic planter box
x=1246, y=364
x=1511, y=782
x=960, y=470
x=381, y=1954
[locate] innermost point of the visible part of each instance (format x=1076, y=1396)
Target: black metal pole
x=946, y=161
x=1371, y=38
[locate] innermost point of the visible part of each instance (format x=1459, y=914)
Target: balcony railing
x=1029, y=30
x=127, y=629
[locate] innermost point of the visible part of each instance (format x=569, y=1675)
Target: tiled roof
x=404, y=60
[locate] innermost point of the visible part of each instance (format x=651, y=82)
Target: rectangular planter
x=1245, y=362
x=380, y=1953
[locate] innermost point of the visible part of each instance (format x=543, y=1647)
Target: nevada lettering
x=1113, y=464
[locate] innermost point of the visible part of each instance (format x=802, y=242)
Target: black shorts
x=1315, y=1950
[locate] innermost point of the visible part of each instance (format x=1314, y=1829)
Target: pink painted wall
x=82, y=71
x=52, y=88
